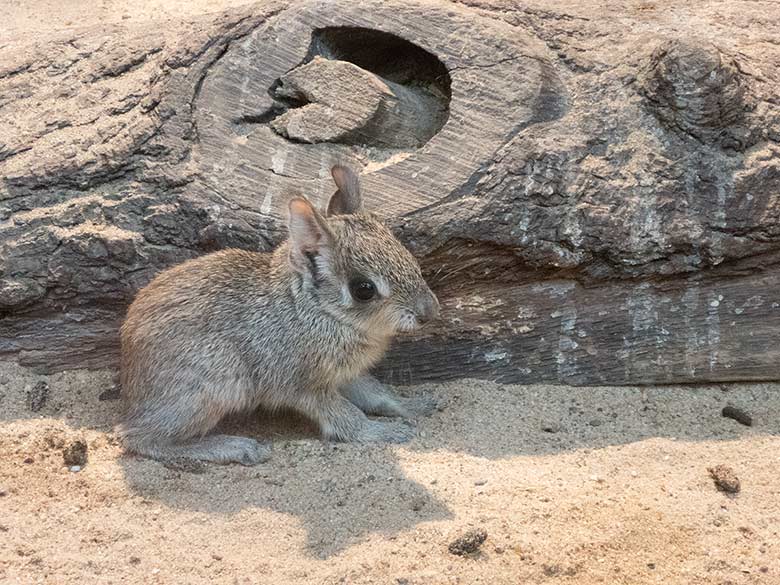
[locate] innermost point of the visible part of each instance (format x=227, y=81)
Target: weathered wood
x=337, y=101
x=554, y=329
x=594, y=196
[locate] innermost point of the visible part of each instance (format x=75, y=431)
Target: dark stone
x=738, y=415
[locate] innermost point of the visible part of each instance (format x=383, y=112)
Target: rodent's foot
x=211, y=449
x=419, y=405
x=387, y=432
x=241, y=450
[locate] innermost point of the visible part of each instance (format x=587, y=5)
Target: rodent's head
x=356, y=268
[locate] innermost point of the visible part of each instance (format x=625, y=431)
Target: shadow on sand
x=342, y=493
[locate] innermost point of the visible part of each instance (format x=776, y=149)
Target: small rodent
x=295, y=328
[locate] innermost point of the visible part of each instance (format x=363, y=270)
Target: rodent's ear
x=309, y=233
x=347, y=199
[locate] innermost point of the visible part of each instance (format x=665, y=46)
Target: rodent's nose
x=427, y=308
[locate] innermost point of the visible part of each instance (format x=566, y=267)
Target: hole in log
x=385, y=55
x=359, y=86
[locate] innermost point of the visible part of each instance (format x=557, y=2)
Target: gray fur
x=347, y=199
x=235, y=330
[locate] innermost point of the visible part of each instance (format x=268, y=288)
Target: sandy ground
x=21, y=18
x=572, y=485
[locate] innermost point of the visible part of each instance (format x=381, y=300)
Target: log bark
x=593, y=194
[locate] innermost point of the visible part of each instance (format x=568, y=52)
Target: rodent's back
x=187, y=309
x=191, y=292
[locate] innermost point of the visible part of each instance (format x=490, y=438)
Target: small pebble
x=480, y=482
x=725, y=479
x=75, y=468
x=738, y=415
x=596, y=422
x=469, y=543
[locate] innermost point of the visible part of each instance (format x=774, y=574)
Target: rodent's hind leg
x=212, y=449
x=173, y=424
x=340, y=420
x=373, y=397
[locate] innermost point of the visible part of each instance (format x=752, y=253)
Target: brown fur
x=235, y=330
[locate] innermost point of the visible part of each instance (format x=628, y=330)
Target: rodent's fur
x=235, y=330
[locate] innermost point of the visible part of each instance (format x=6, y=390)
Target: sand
x=571, y=485
x=26, y=18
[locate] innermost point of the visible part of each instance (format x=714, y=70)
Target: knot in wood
x=694, y=89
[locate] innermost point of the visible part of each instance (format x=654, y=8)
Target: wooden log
x=595, y=198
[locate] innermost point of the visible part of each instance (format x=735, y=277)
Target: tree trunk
x=593, y=194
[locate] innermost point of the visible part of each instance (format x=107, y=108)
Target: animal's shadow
x=343, y=493
x=339, y=492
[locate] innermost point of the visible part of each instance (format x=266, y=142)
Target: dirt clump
x=468, y=543
x=75, y=454
x=725, y=479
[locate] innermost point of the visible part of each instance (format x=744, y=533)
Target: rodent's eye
x=362, y=289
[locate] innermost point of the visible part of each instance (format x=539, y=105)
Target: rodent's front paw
x=420, y=405
x=388, y=432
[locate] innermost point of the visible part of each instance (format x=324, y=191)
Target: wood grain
x=594, y=195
